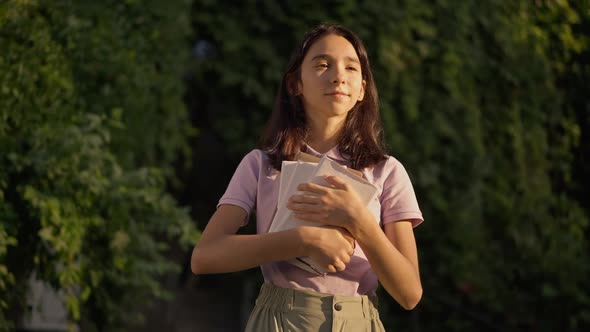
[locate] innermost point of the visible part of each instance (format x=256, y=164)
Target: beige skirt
x=281, y=309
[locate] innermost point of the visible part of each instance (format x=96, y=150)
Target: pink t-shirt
x=255, y=186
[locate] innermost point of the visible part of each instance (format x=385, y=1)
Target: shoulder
x=388, y=175
x=387, y=168
x=257, y=161
x=255, y=157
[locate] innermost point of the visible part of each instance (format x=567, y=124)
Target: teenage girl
x=326, y=105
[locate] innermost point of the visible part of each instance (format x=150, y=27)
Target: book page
x=283, y=219
x=287, y=170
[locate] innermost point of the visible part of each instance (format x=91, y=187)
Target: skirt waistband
x=363, y=306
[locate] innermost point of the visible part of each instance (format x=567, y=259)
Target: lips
x=337, y=93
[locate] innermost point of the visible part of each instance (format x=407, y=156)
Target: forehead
x=333, y=46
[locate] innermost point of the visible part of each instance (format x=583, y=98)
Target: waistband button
x=338, y=306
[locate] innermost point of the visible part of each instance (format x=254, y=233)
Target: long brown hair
x=361, y=141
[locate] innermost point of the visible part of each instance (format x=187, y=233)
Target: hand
x=329, y=247
x=336, y=204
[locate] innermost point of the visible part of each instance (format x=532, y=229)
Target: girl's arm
x=220, y=249
x=394, y=258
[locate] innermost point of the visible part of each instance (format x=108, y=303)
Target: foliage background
x=485, y=102
x=92, y=120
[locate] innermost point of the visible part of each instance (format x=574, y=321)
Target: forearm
x=231, y=252
x=396, y=273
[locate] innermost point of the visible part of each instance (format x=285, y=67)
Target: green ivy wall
x=91, y=121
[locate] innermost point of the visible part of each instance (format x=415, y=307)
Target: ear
x=293, y=87
x=362, y=94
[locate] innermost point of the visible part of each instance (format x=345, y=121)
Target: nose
x=339, y=76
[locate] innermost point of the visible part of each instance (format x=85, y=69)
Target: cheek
x=309, y=80
x=356, y=85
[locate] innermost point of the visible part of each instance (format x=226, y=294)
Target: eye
x=322, y=65
x=353, y=68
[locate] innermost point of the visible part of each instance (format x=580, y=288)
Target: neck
x=324, y=133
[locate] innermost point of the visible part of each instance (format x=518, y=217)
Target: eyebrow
x=326, y=56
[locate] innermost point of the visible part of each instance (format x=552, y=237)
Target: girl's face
x=331, y=78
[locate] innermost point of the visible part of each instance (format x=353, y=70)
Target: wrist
x=303, y=240
x=363, y=226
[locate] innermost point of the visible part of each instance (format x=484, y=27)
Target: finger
x=310, y=216
x=346, y=259
x=313, y=188
x=346, y=234
x=339, y=266
x=306, y=199
x=337, y=182
x=304, y=208
x=331, y=268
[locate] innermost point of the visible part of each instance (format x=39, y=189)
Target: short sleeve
x=398, y=200
x=243, y=185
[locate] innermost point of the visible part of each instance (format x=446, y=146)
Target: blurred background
x=123, y=121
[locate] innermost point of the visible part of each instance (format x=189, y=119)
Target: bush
x=92, y=119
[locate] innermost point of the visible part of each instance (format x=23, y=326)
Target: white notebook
x=294, y=173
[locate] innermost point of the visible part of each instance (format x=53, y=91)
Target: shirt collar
x=333, y=153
